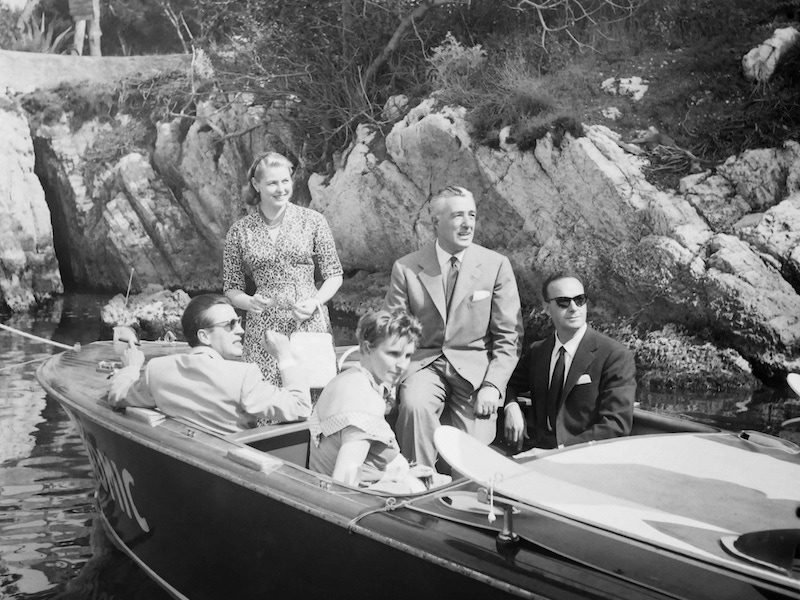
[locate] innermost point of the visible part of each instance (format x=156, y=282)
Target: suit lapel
x=580, y=364
x=468, y=272
x=541, y=368
x=430, y=277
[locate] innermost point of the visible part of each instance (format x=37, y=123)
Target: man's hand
x=487, y=401
x=515, y=428
x=132, y=356
x=277, y=345
x=303, y=309
x=132, y=361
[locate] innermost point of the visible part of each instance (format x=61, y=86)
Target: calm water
x=51, y=544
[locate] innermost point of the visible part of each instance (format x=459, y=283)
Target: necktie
x=554, y=391
x=452, y=275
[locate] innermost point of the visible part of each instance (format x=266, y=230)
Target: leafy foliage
x=37, y=35
x=8, y=26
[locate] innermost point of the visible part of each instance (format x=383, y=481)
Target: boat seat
x=287, y=441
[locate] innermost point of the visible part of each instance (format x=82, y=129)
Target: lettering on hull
x=119, y=483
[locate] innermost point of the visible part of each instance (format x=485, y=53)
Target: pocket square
x=479, y=295
x=583, y=379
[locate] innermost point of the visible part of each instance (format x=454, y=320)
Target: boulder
x=155, y=313
x=29, y=272
x=763, y=177
x=759, y=64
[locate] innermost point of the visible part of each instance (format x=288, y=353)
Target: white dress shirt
x=570, y=348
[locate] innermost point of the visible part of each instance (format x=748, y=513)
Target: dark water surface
x=52, y=544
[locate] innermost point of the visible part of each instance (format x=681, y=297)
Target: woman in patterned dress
x=278, y=245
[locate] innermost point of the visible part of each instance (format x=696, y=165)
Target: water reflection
x=51, y=543
x=762, y=410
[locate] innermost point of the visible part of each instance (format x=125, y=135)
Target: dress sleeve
x=325, y=250
x=233, y=261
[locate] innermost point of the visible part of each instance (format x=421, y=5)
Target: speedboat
x=677, y=510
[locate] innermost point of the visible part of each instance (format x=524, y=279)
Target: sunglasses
x=226, y=325
x=564, y=301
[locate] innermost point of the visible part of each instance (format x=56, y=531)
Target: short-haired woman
x=351, y=439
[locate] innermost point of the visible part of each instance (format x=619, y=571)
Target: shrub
x=38, y=36
x=454, y=64
x=8, y=26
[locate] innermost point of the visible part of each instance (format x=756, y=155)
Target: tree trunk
x=94, y=30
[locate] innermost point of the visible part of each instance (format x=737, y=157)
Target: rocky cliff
x=720, y=255
x=28, y=267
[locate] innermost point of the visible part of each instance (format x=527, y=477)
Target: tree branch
x=408, y=20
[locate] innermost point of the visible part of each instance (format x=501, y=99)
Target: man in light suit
x=466, y=298
x=586, y=396
x=207, y=386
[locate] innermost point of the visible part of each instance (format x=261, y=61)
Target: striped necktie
x=452, y=276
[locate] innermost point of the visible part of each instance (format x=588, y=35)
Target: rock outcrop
x=161, y=213
x=720, y=255
x=29, y=271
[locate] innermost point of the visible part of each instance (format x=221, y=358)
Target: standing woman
x=279, y=244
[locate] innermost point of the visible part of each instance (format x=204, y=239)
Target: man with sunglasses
x=582, y=383
x=208, y=386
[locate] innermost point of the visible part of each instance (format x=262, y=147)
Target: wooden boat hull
x=210, y=517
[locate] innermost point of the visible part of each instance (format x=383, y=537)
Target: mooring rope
x=76, y=346
x=22, y=364
x=390, y=505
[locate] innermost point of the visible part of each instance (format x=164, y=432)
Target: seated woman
x=351, y=439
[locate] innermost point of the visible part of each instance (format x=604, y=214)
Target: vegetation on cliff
x=520, y=70
x=531, y=67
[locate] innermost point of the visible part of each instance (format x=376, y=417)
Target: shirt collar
x=571, y=347
x=382, y=388
x=443, y=256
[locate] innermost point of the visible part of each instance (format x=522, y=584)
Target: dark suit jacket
x=483, y=336
x=600, y=408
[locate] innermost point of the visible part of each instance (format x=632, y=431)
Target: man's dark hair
x=194, y=317
x=555, y=276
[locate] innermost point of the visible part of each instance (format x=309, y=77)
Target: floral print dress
x=282, y=269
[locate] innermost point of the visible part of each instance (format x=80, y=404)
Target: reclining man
x=207, y=386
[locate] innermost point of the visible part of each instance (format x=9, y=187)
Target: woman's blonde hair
x=268, y=159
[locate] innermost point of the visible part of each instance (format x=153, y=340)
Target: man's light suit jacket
x=222, y=395
x=482, y=337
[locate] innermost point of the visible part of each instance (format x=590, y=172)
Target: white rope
x=76, y=347
x=22, y=364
